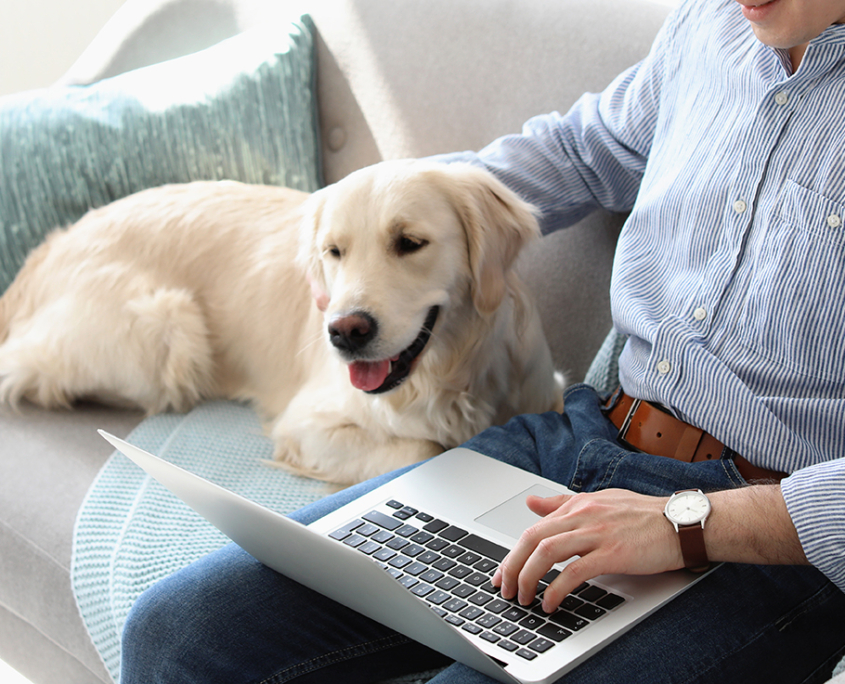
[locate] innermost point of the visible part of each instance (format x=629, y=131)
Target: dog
x=373, y=323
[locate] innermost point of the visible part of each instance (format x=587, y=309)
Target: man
x=726, y=146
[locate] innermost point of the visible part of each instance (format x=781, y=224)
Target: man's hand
x=617, y=531
x=613, y=531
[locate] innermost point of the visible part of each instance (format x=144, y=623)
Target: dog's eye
x=334, y=251
x=409, y=245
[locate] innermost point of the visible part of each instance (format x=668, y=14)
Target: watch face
x=687, y=508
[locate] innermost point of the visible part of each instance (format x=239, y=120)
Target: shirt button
x=781, y=98
x=700, y=313
x=834, y=221
x=740, y=206
x=664, y=367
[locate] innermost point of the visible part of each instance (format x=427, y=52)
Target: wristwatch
x=687, y=510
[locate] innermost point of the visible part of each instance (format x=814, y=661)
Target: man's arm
x=617, y=531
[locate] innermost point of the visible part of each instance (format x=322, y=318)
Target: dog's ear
x=498, y=225
x=308, y=252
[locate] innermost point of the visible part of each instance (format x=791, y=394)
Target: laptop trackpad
x=513, y=516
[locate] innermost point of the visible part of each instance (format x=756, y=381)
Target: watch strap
x=692, y=547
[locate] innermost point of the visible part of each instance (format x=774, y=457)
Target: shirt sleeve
x=592, y=157
x=815, y=499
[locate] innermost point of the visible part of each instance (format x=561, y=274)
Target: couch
x=393, y=79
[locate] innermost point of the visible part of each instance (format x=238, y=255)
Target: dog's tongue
x=368, y=375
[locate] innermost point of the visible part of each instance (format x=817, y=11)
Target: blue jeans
x=229, y=619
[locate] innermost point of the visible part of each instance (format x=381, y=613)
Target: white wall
x=40, y=39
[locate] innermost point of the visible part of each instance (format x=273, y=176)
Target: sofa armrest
x=144, y=32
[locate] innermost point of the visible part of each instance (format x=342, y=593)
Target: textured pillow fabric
x=244, y=109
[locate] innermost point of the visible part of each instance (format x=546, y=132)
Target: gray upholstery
x=396, y=79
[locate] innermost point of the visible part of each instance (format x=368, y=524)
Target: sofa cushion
x=244, y=109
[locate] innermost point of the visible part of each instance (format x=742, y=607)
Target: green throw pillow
x=244, y=109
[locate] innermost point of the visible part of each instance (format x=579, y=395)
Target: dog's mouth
x=377, y=377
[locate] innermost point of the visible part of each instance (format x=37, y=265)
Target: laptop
x=417, y=555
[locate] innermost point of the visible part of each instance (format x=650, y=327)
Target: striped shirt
x=729, y=274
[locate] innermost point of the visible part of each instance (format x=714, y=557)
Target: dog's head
x=393, y=251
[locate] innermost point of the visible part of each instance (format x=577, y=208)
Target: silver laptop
x=417, y=555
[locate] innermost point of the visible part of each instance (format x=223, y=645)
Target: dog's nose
x=352, y=332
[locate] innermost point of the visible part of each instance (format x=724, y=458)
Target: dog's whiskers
x=317, y=337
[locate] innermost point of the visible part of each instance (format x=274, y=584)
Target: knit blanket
x=131, y=532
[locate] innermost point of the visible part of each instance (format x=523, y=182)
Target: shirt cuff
x=815, y=499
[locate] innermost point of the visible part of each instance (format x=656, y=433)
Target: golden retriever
x=421, y=336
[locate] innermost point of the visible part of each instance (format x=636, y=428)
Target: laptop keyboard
x=451, y=569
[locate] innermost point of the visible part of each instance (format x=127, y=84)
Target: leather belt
x=653, y=430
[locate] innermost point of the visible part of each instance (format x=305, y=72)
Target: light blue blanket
x=131, y=532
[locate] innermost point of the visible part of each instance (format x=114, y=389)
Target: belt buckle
x=626, y=424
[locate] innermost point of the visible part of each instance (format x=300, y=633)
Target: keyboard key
x=407, y=531
x=382, y=520
x=471, y=628
x=435, y=526
x=422, y=538
x=448, y=583
x=354, y=540
x=531, y=622
x=452, y=551
x=455, y=620
x=505, y=628
x=444, y=564
x=485, y=547
x=568, y=620
x=541, y=645
x=408, y=582
x=507, y=645
x=553, y=632
x=438, y=597
x=463, y=591
x=397, y=543
x=592, y=593
x=523, y=637
x=498, y=606
x=454, y=605
x=471, y=612
x=479, y=598
x=467, y=559
x=415, y=569
x=514, y=613
x=422, y=589
x=399, y=562
x=394, y=504
x=460, y=571
x=489, y=621
x=413, y=550
x=431, y=576
x=571, y=603
x=425, y=517
x=428, y=557
x=610, y=601
x=384, y=555
x=382, y=537
x=476, y=579
x=369, y=547
x=437, y=544
x=452, y=533
x=525, y=653
x=489, y=636
x=485, y=565
x=590, y=612
x=346, y=530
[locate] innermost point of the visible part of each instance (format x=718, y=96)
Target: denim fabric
x=229, y=619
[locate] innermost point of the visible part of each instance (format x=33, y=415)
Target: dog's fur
x=195, y=291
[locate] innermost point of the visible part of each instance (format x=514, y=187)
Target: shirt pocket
x=794, y=314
